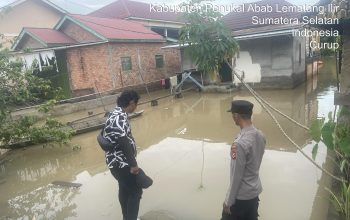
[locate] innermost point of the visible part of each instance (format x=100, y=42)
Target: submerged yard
x=184, y=146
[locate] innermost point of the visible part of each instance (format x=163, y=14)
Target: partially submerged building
x=270, y=55
x=100, y=54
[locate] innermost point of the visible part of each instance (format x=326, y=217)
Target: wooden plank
x=66, y=184
x=341, y=99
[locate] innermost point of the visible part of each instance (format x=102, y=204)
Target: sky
x=87, y=6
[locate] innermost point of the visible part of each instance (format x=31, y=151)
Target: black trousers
x=129, y=193
x=243, y=210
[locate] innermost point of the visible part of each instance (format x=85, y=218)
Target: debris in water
x=154, y=103
x=67, y=184
x=178, y=95
x=135, y=114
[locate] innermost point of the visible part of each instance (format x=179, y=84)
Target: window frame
x=156, y=57
x=123, y=63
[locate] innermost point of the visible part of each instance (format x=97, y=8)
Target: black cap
x=241, y=107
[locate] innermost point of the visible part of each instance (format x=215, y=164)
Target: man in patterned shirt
x=121, y=160
x=247, y=151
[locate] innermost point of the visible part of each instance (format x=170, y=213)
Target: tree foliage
x=336, y=136
x=209, y=40
x=20, y=88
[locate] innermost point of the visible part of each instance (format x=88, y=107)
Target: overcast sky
x=86, y=6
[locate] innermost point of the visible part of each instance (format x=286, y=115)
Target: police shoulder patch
x=233, y=152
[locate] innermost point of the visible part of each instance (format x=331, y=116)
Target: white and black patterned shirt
x=118, y=127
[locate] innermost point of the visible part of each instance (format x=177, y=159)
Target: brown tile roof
x=126, y=9
x=118, y=29
x=243, y=20
x=50, y=36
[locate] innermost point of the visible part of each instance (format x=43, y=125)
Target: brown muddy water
x=184, y=146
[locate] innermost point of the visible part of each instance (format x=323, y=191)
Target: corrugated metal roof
x=265, y=30
x=127, y=9
x=118, y=29
x=253, y=33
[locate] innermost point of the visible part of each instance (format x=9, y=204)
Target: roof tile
x=243, y=20
x=118, y=29
x=127, y=8
x=50, y=36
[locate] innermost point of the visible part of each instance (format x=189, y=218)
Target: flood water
x=184, y=146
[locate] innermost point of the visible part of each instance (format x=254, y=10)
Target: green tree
x=20, y=88
x=210, y=41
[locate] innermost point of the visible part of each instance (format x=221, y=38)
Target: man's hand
x=227, y=209
x=134, y=170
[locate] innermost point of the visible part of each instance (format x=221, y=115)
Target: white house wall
x=252, y=72
x=299, y=67
x=277, y=58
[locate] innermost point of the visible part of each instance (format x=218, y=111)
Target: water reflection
x=184, y=146
x=199, y=116
x=46, y=202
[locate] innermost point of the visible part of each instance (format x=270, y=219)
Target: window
x=159, y=61
x=126, y=63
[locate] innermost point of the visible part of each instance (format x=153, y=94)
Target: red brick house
x=103, y=54
x=166, y=24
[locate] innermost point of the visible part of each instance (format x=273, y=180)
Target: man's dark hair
x=128, y=95
x=246, y=116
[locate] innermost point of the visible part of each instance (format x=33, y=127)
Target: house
x=164, y=23
x=271, y=54
x=100, y=54
x=27, y=13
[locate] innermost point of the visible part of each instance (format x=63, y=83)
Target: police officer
x=247, y=151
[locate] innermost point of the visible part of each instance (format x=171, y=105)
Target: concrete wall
x=251, y=71
x=31, y=13
x=299, y=60
x=273, y=62
x=99, y=68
